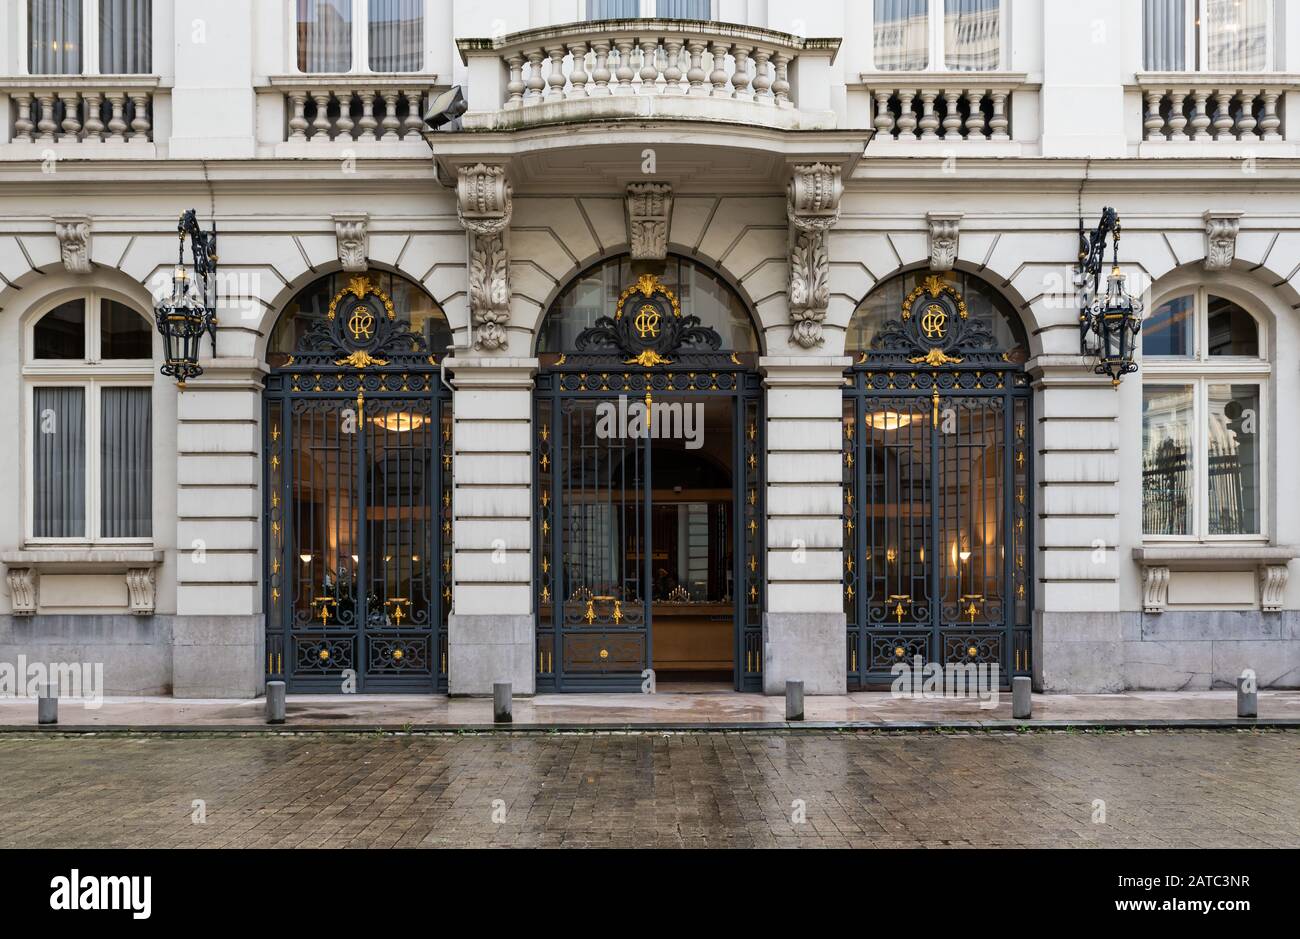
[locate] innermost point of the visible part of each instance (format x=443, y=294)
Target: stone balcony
x=675, y=70
x=1210, y=114
x=922, y=110
x=85, y=116
x=368, y=115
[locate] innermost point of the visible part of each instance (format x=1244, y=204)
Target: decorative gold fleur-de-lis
x=546, y=433
x=546, y=594
x=546, y=527
x=275, y=462
x=546, y=565
x=546, y=462
x=753, y=497
x=753, y=461
x=618, y=612
x=753, y=527
x=546, y=498
x=275, y=432
x=590, y=615
x=1020, y=458
x=753, y=431
x=753, y=594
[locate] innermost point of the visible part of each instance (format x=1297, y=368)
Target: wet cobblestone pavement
x=1187, y=789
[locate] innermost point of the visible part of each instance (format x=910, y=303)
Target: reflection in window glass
x=1237, y=35
x=123, y=333
x=972, y=38
x=1167, y=460
x=396, y=35
x=1168, y=329
x=61, y=333
x=324, y=35
x=902, y=34
x=1233, y=331
x=1234, y=458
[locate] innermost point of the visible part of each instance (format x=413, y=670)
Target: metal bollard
x=47, y=704
x=1022, y=700
x=501, y=702
x=794, y=700
x=1247, y=694
x=275, y=702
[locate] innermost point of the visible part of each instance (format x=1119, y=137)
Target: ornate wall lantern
x=191, y=309
x=1109, y=323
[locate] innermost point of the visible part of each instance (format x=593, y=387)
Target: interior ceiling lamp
x=191, y=309
x=1108, y=323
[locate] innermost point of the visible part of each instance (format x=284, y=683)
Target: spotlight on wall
x=1109, y=323
x=445, y=110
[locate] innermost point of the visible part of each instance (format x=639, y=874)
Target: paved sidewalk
x=717, y=709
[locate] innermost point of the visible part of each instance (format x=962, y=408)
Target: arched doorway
x=937, y=480
x=357, y=458
x=649, y=459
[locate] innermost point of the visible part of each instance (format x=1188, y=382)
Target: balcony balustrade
x=1204, y=108
x=87, y=112
x=954, y=108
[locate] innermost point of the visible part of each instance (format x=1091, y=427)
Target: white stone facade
x=783, y=168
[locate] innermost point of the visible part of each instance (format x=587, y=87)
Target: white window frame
x=360, y=41
x=89, y=39
x=936, y=61
x=1200, y=370
x=93, y=374
x=1196, y=41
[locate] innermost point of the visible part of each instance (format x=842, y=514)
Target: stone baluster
x=414, y=123
x=1200, y=118
x=999, y=122
x=695, y=75
x=649, y=65
x=321, y=124
x=117, y=120
x=536, y=83
x=884, y=119
x=1152, y=121
x=1269, y=121
x=952, y=123
x=1246, y=119
x=298, y=120
x=578, y=75
x=624, y=70
x=1177, y=117
x=94, y=127
x=741, y=79
x=23, y=125
x=906, y=116
x=601, y=73
x=515, y=87
x=555, y=82
x=718, y=77
x=367, y=122
x=762, y=77
x=391, y=123
x=343, y=126
x=781, y=87
x=976, y=125
x=46, y=125
x=929, y=118
x=673, y=67
x=141, y=126
x=71, y=121
x=1223, y=115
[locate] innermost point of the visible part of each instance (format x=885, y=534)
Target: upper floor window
x=937, y=35
x=661, y=9
x=89, y=390
x=93, y=37
x=1205, y=382
x=386, y=35
x=1208, y=35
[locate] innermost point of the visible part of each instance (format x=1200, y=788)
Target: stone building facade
x=799, y=176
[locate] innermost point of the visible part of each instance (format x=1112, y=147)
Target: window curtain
x=54, y=37
x=684, y=9
x=396, y=30
x=126, y=499
x=1164, y=35
x=324, y=35
x=613, y=9
x=59, y=462
x=125, y=37
x=1238, y=35
x=972, y=35
x=902, y=34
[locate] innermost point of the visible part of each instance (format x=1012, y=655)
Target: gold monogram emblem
x=647, y=322
x=362, y=323
x=934, y=321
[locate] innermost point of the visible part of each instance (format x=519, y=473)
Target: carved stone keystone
x=483, y=205
x=1221, y=239
x=945, y=227
x=813, y=208
x=73, y=233
x=353, y=233
x=649, y=212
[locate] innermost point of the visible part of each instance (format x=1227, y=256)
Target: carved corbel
x=945, y=228
x=649, y=211
x=140, y=590
x=483, y=205
x=353, y=234
x=24, y=585
x=73, y=233
x=813, y=208
x=1221, y=239
x=1272, y=586
x=1155, y=588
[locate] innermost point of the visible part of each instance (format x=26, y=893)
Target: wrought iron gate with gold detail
x=358, y=505
x=937, y=496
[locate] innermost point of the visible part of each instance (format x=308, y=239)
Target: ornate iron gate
x=358, y=505
x=937, y=496
x=594, y=519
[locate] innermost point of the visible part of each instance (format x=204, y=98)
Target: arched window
x=595, y=292
x=983, y=303
x=1205, y=371
x=88, y=372
x=311, y=304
